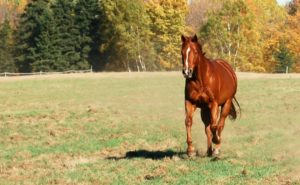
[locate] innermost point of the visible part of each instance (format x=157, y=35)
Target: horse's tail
x=233, y=111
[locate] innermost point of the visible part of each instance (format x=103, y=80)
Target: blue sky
x=282, y=2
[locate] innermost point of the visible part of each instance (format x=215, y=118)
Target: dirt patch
x=72, y=163
x=283, y=180
x=295, y=175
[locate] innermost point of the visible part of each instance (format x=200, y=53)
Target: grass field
x=128, y=128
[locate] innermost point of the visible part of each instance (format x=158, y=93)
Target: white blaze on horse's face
x=187, y=58
x=187, y=71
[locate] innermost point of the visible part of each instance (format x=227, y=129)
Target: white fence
x=8, y=74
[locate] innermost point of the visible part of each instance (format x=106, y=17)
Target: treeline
x=113, y=35
x=144, y=35
x=253, y=35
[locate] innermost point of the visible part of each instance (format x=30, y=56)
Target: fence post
x=287, y=69
x=4, y=74
x=91, y=69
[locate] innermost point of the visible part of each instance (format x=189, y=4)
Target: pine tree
x=68, y=34
x=6, y=58
x=47, y=57
x=27, y=33
x=285, y=58
x=87, y=21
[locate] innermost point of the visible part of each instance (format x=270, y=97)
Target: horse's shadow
x=160, y=155
x=146, y=154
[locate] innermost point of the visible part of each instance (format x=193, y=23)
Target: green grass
x=129, y=129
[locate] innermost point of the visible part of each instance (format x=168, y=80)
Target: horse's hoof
x=216, y=152
x=216, y=158
x=191, y=152
x=209, y=153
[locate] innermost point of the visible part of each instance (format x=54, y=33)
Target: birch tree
x=125, y=36
x=225, y=32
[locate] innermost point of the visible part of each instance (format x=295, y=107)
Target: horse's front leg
x=214, y=113
x=189, y=111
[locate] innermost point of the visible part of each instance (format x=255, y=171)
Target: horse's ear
x=183, y=39
x=195, y=38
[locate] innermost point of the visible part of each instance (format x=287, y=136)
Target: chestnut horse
x=210, y=84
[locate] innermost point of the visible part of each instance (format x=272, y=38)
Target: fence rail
x=8, y=74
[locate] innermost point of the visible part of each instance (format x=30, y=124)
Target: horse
x=210, y=85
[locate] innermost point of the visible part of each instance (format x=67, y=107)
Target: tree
x=225, y=32
x=167, y=24
x=270, y=21
x=56, y=35
x=197, y=13
x=285, y=58
x=68, y=35
x=10, y=10
x=292, y=31
x=27, y=32
x=6, y=58
x=125, y=36
x=87, y=18
x=46, y=55
x=293, y=7
x=247, y=33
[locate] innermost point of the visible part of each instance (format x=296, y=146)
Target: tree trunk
x=137, y=66
x=237, y=48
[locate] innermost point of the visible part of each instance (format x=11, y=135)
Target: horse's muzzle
x=187, y=73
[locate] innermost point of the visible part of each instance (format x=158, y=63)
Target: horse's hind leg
x=225, y=110
x=189, y=111
x=205, y=116
x=214, y=113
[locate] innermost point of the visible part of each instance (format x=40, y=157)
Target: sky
x=283, y=2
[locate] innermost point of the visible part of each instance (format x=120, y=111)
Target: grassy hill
x=128, y=128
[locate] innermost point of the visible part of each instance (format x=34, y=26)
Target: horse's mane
x=199, y=48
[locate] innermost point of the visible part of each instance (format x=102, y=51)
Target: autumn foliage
x=144, y=35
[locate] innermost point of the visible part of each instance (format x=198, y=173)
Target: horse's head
x=189, y=52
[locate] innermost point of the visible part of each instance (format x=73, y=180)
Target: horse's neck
x=202, y=68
